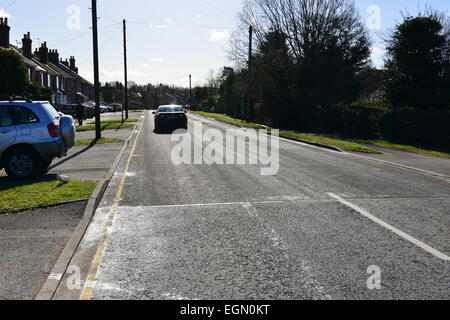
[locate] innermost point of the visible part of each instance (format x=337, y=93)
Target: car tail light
x=52, y=130
x=161, y=116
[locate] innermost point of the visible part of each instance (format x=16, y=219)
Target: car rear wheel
x=22, y=163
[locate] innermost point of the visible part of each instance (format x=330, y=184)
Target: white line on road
x=221, y=204
x=56, y=277
x=398, y=232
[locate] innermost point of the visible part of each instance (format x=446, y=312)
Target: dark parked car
x=170, y=117
x=70, y=110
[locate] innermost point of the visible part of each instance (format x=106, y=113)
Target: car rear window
x=51, y=111
x=170, y=109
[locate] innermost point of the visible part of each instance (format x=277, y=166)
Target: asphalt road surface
x=322, y=228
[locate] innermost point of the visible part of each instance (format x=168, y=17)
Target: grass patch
x=93, y=141
x=115, y=121
x=387, y=144
x=227, y=119
x=106, y=126
x=32, y=194
x=347, y=146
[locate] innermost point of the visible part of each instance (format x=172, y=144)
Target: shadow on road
x=169, y=132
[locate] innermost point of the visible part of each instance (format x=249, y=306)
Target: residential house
x=46, y=69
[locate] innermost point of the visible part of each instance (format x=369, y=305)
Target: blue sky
x=167, y=39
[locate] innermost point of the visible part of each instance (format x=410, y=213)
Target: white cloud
x=162, y=26
x=158, y=60
x=4, y=14
x=218, y=35
x=198, y=16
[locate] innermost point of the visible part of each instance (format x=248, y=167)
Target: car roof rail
x=12, y=98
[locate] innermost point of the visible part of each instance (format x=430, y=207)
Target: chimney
x=43, y=53
x=26, y=45
x=65, y=62
x=72, y=64
x=53, y=57
x=4, y=33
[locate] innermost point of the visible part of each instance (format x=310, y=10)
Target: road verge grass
x=93, y=141
x=227, y=119
x=390, y=145
x=344, y=145
x=115, y=121
x=106, y=126
x=17, y=196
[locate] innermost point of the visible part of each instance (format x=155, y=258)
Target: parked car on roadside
x=68, y=109
x=32, y=135
x=117, y=107
x=103, y=108
x=89, y=111
x=170, y=117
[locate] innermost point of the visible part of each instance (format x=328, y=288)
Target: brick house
x=45, y=68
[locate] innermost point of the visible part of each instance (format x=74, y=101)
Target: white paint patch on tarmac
x=279, y=244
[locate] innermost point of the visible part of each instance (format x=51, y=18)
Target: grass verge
x=24, y=195
x=390, y=145
x=115, y=121
x=347, y=146
x=227, y=119
x=93, y=141
x=106, y=126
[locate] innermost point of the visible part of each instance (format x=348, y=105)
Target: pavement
x=31, y=241
x=30, y=244
x=316, y=230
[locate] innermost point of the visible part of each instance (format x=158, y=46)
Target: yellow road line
x=86, y=293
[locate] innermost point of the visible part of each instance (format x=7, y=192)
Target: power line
x=217, y=8
x=10, y=4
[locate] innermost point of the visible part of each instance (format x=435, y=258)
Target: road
x=310, y=232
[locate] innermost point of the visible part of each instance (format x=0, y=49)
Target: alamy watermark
x=235, y=147
x=374, y=280
x=74, y=19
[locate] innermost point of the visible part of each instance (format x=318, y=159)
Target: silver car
x=32, y=135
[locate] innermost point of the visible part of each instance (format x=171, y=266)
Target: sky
x=167, y=39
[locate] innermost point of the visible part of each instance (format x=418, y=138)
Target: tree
x=327, y=46
x=418, y=65
x=273, y=74
x=13, y=73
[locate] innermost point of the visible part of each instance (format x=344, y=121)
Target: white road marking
x=193, y=205
x=56, y=277
x=398, y=232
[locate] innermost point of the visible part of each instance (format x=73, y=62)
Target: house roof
x=28, y=62
x=57, y=70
